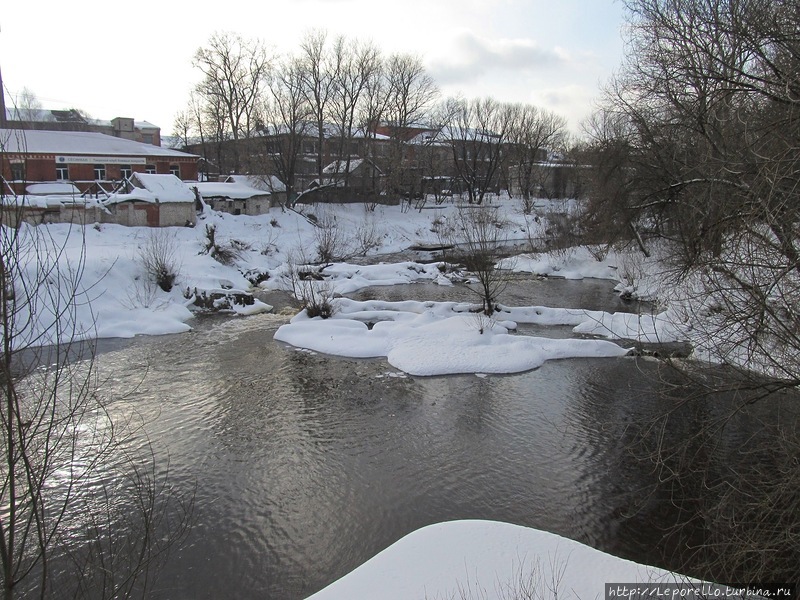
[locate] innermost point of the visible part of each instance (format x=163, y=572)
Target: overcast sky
x=112, y=61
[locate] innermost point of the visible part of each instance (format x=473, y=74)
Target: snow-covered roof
x=79, y=142
x=52, y=188
x=45, y=201
x=234, y=191
x=448, y=134
x=150, y=187
x=268, y=183
x=340, y=166
x=30, y=201
x=329, y=130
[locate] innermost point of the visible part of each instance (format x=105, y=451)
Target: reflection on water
x=306, y=465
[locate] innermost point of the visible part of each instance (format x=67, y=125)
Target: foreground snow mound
x=488, y=560
x=432, y=338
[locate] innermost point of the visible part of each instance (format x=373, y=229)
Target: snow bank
x=663, y=327
x=571, y=263
x=487, y=559
x=407, y=332
x=344, y=278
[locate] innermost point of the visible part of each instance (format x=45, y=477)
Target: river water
x=305, y=465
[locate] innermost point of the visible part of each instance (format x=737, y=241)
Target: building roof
x=156, y=189
x=234, y=191
x=50, y=188
x=136, y=124
x=339, y=167
x=269, y=183
x=31, y=141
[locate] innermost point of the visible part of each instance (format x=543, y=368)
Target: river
x=305, y=465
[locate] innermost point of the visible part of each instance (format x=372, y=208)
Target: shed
x=268, y=183
x=152, y=200
x=235, y=198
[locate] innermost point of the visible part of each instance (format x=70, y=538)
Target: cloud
x=573, y=101
x=472, y=56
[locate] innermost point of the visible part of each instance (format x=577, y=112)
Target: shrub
x=310, y=287
x=330, y=241
x=223, y=253
x=159, y=259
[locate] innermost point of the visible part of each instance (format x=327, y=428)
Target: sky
x=111, y=60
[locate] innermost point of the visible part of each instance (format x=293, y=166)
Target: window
x=100, y=172
x=125, y=171
x=150, y=169
x=62, y=172
x=18, y=171
x=175, y=170
x=147, y=138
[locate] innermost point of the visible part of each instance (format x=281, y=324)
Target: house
x=343, y=181
x=91, y=161
x=357, y=174
x=269, y=183
x=236, y=198
x=152, y=200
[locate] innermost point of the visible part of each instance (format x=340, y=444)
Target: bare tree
x=235, y=72
x=697, y=143
x=476, y=132
x=62, y=450
x=28, y=107
x=533, y=133
x=358, y=63
x=480, y=232
x=318, y=72
x=285, y=127
x=410, y=93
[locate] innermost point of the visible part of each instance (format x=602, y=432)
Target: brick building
x=91, y=161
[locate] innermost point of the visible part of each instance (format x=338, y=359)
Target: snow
x=165, y=188
x=487, y=560
x=662, y=327
x=34, y=141
x=340, y=166
x=405, y=332
x=115, y=292
x=55, y=187
x=572, y=263
x=234, y=191
x=268, y=183
x=116, y=298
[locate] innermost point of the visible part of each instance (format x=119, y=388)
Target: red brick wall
x=42, y=167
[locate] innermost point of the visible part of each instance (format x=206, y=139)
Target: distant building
x=93, y=162
x=73, y=120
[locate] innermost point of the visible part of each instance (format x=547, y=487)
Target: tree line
x=341, y=98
